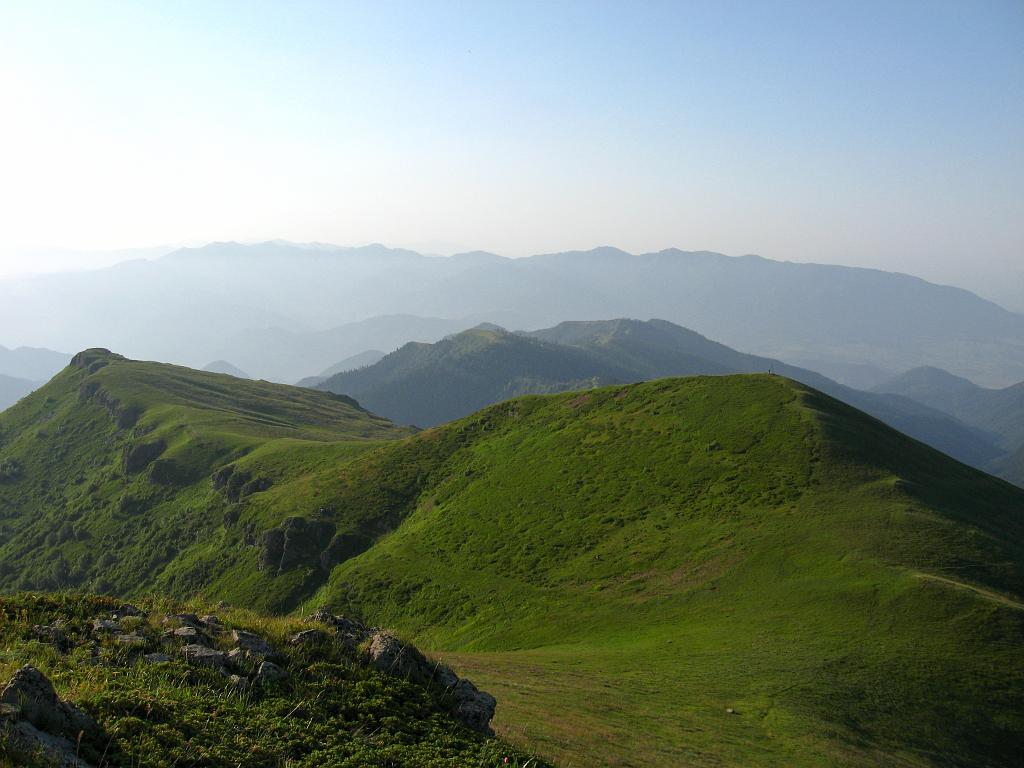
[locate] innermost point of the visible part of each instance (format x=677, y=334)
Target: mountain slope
x=105, y=471
x=621, y=566
x=626, y=565
x=998, y=411
x=351, y=363
x=427, y=384
x=430, y=384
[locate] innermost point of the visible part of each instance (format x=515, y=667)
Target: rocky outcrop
x=296, y=542
x=389, y=654
x=236, y=483
x=139, y=455
x=35, y=721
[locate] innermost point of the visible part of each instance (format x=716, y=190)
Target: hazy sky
x=885, y=134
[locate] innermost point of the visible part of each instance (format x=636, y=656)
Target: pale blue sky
x=885, y=134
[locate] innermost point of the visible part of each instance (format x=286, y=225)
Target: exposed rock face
x=295, y=542
x=343, y=547
x=31, y=695
x=236, y=483
x=138, y=456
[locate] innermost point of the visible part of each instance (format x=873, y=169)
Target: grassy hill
x=428, y=384
x=726, y=570
x=647, y=557
x=105, y=472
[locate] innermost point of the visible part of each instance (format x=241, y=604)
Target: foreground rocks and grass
x=91, y=681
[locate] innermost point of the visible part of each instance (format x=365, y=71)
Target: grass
x=621, y=566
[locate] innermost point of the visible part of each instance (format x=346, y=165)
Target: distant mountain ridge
x=428, y=384
x=227, y=300
x=997, y=411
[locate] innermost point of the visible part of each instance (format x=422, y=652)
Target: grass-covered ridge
x=328, y=706
x=649, y=557
x=105, y=473
x=621, y=567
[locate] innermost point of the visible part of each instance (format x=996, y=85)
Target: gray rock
x=201, y=656
x=27, y=744
x=106, y=625
x=269, y=673
x=473, y=707
x=308, y=637
x=389, y=654
x=249, y=641
x=211, y=622
x=132, y=639
x=242, y=661
x=127, y=610
x=183, y=620
x=188, y=634
x=156, y=658
x=32, y=693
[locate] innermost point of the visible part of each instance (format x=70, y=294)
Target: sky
x=879, y=134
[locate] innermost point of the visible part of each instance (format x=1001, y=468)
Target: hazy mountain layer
x=997, y=411
x=228, y=301
x=12, y=390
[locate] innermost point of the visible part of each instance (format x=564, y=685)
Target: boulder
x=31, y=693
x=473, y=707
x=201, y=656
x=389, y=654
x=156, y=658
x=29, y=745
x=188, y=635
x=105, y=625
x=183, y=620
x=249, y=641
x=132, y=640
x=308, y=637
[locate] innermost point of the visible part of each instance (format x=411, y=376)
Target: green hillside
x=429, y=384
x=725, y=570
x=105, y=472
x=626, y=565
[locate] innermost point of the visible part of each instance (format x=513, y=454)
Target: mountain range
x=739, y=567
x=428, y=384
x=284, y=312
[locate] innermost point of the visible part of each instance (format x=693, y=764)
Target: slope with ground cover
x=105, y=472
x=622, y=566
x=152, y=685
x=627, y=565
